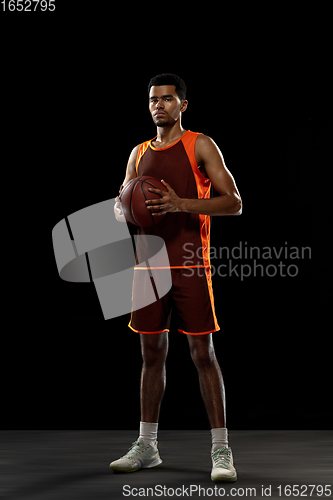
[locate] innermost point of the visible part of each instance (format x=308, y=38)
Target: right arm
x=130, y=170
x=130, y=174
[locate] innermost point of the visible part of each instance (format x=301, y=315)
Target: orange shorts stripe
x=167, y=267
x=199, y=333
x=148, y=333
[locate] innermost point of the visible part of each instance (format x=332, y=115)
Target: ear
x=184, y=106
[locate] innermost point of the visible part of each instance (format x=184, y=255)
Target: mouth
x=159, y=113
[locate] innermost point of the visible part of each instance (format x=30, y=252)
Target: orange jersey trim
x=166, y=147
x=142, y=150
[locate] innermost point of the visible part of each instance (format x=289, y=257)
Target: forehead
x=160, y=90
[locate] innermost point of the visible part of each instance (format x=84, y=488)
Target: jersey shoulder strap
x=188, y=141
x=142, y=150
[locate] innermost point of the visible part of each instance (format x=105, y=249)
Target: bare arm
x=130, y=169
x=130, y=174
x=228, y=203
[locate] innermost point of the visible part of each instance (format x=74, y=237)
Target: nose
x=159, y=104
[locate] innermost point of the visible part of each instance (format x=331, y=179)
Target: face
x=165, y=106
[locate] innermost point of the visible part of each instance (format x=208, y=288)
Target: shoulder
x=142, y=145
x=205, y=148
x=201, y=141
x=136, y=149
x=139, y=149
x=204, y=141
x=135, y=152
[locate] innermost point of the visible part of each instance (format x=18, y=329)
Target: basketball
x=133, y=197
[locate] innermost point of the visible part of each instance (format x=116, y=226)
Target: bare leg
x=154, y=348
x=210, y=378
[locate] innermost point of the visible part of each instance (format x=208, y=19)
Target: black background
x=75, y=92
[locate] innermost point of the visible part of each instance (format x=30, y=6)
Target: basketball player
x=188, y=164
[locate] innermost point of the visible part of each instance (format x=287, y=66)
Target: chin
x=160, y=122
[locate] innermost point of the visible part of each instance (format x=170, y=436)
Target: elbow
x=238, y=207
x=231, y=204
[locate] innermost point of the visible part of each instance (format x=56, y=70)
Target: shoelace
x=136, y=449
x=221, y=458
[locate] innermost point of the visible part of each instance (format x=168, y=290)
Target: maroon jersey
x=183, y=233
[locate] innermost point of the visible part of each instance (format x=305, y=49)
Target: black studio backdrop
x=273, y=366
x=271, y=119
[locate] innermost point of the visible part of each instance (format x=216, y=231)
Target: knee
x=203, y=356
x=153, y=357
x=154, y=353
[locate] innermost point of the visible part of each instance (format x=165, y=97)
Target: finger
x=166, y=185
x=159, y=201
x=158, y=191
x=161, y=208
x=157, y=214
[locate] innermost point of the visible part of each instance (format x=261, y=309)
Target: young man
x=187, y=163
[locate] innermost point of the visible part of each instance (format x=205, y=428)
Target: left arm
x=228, y=203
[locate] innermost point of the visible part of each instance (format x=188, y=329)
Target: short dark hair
x=169, y=79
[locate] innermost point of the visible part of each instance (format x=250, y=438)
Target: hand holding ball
x=133, y=201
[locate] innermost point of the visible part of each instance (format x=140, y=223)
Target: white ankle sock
x=219, y=438
x=148, y=432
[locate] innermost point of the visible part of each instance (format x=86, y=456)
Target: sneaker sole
x=156, y=463
x=224, y=479
x=120, y=468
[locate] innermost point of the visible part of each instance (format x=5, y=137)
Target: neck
x=170, y=133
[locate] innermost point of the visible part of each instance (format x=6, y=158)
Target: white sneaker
x=223, y=465
x=139, y=456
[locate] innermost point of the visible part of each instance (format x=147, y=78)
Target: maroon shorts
x=191, y=295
